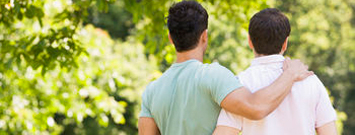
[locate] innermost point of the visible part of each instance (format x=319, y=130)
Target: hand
x=296, y=69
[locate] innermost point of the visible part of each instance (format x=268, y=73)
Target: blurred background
x=80, y=66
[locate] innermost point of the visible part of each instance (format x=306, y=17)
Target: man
x=187, y=98
x=306, y=109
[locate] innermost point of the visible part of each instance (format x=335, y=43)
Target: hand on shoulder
x=296, y=69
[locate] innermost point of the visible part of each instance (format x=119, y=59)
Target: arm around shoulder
x=240, y=102
x=258, y=105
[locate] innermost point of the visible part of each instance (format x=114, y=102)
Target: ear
x=284, y=46
x=250, y=43
x=170, y=39
x=204, y=36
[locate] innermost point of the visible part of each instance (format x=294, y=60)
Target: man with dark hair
x=306, y=110
x=188, y=97
x=186, y=22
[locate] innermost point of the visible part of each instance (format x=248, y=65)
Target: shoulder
x=149, y=88
x=312, y=85
x=248, y=73
x=214, y=72
x=215, y=67
x=312, y=80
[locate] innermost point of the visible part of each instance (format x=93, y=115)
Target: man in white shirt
x=305, y=111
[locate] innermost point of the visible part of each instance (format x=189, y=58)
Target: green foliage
x=47, y=42
x=40, y=97
x=117, y=21
x=102, y=86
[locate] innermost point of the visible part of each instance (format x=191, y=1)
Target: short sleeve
x=220, y=81
x=145, y=111
x=230, y=120
x=325, y=112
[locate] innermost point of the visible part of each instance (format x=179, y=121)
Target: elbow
x=259, y=114
x=256, y=116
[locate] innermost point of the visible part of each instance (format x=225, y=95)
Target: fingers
x=297, y=68
x=296, y=64
x=286, y=63
x=305, y=67
x=311, y=73
x=284, y=67
x=305, y=75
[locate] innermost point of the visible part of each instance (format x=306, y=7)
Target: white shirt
x=304, y=109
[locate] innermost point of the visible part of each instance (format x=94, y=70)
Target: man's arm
x=224, y=130
x=147, y=126
x=146, y=123
x=327, y=129
x=258, y=105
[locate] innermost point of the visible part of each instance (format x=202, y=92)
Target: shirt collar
x=264, y=60
x=185, y=62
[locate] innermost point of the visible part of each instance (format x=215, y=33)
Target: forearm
x=269, y=98
x=258, y=105
x=327, y=129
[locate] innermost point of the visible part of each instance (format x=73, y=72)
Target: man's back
x=305, y=108
x=186, y=98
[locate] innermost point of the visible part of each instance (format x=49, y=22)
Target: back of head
x=268, y=30
x=186, y=22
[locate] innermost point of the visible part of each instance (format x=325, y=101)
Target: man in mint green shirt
x=187, y=98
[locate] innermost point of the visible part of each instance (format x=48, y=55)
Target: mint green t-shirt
x=186, y=99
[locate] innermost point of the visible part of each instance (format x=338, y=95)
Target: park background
x=80, y=66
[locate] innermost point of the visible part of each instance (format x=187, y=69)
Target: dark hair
x=268, y=30
x=186, y=22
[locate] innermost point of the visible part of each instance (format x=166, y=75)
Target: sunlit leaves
x=45, y=103
x=55, y=73
x=52, y=46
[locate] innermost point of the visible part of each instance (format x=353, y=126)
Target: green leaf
x=20, y=16
x=30, y=11
x=40, y=21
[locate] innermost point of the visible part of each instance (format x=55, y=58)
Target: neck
x=258, y=55
x=196, y=53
